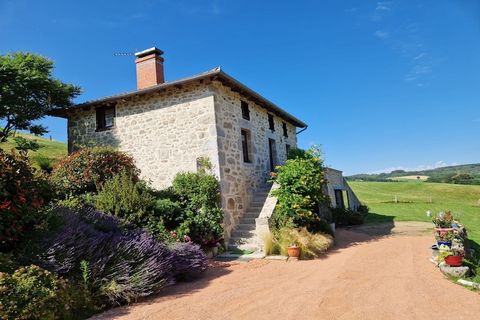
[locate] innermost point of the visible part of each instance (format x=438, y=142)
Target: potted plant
x=294, y=251
x=444, y=238
x=443, y=221
x=455, y=259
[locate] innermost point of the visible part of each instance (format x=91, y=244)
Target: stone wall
x=165, y=132
x=239, y=179
x=336, y=181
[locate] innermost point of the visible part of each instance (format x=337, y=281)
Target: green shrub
x=297, y=153
x=170, y=211
x=197, y=190
x=126, y=198
x=22, y=194
x=355, y=219
x=199, y=196
x=345, y=217
x=312, y=245
x=33, y=293
x=87, y=169
x=8, y=262
x=45, y=164
x=203, y=227
x=363, y=209
x=301, y=181
x=72, y=201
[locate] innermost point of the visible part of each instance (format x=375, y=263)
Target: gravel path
x=366, y=276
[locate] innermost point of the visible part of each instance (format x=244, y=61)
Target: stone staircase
x=243, y=236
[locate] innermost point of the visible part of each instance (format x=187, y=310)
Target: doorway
x=272, y=150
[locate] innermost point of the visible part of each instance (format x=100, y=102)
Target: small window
x=245, y=110
x=105, y=117
x=271, y=123
x=285, y=131
x=246, y=145
x=287, y=149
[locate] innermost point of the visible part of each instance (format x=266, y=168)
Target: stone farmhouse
x=169, y=126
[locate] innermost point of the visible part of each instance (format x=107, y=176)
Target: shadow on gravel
x=216, y=269
x=376, y=228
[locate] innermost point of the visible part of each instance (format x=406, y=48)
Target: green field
x=415, y=198
x=50, y=149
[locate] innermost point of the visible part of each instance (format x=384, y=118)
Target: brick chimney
x=149, y=68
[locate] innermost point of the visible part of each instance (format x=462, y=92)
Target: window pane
x=109, y=116
x=271, y=124
x=245, y=146
x=245, y=110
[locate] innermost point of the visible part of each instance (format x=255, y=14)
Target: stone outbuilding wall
x=336, y=181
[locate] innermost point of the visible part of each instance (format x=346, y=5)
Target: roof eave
x=215, y=74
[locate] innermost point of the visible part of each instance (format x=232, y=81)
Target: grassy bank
x=50, y=149
x=414, y=198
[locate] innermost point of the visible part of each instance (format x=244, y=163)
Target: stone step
x=245, y=226
x=243, y=233
x=250, y=215
x=244, y=220
x=237, y=241
x=242, y=247
x=257, y=204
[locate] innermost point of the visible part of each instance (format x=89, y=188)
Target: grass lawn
x=416, y=197
x=51, y=149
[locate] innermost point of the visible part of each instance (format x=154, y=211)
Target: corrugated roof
x=213, y=74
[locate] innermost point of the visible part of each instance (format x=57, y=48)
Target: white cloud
x=384, y=6
x=406, y=40
x=420, y=56
x=438, y=164
x=381, y=34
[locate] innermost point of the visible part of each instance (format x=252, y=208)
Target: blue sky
x=382, y=84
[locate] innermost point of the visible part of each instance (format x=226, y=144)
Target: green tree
x=300, y=184
x=28, y=92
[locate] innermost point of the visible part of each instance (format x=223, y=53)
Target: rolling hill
x=49, y=149
x=461, y=174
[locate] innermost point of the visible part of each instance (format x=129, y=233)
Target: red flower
x=20, y=199
x=5, y=204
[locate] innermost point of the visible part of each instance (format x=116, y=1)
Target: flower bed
x=451, y=252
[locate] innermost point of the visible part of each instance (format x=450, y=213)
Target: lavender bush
x=119, y=265
x=190, y=261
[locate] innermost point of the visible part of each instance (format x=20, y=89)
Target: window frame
x=271, y=122
x=101, y=119
x=285, y=129
x=246, y=143
x=245, y=110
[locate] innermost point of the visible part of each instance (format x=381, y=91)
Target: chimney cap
x=146, y=52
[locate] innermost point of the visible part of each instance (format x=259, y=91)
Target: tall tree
x=28, y=91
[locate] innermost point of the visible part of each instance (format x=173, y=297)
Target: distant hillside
x=50, y=151
x=461, y=174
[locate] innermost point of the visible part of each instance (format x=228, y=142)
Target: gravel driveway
x=368, y=275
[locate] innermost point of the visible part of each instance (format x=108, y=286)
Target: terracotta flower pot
x=454, y=261
x=294, y=251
